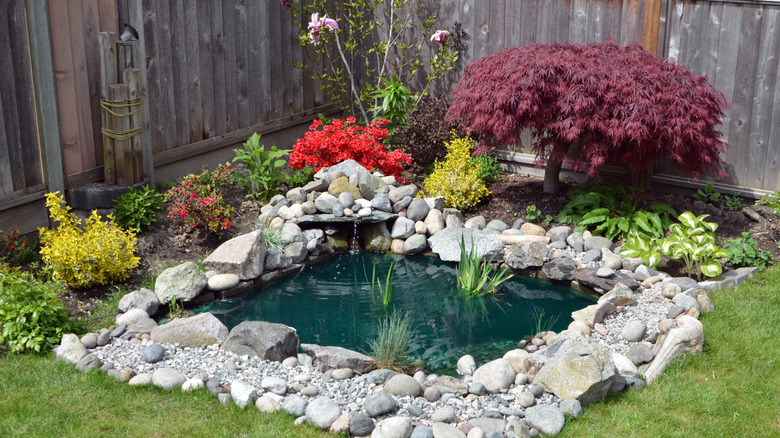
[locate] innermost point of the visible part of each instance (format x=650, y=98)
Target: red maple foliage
x=619, y=105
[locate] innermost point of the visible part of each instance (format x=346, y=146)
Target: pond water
x=332, y=304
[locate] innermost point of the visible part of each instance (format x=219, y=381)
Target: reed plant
x=385, y=288
x=392, y=345
x=476, y=277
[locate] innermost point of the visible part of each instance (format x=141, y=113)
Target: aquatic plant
x=392, y=345
x=474, y=274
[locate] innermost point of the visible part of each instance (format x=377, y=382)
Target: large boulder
x=376, y=237
x=267, y=340
x=330, y=358
x=136, y=321
x=243, y=255
x=348, y=167
x=143, y=299
x=577, y=368
x=184, y=282
x=446, y=243
x=527, y=255
x=71, y=349
x=547, y=419
x=495, y=375
x=342, y=185
x=195, y=331
x=561, y=268
x=588, y=277
x=417, y=210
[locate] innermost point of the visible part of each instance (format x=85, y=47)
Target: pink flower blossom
x=440, y=36
x=317, y=24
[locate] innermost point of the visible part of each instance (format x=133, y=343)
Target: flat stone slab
x=507, y=239
x=375, y=217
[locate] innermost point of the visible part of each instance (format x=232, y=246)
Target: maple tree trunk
x=551, y=176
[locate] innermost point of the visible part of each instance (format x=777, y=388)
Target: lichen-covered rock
x=195, y=331
x=267, y=340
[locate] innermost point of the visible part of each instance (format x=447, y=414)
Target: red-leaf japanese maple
x=615, y=105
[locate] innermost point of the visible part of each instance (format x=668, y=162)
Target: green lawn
x=732, y=389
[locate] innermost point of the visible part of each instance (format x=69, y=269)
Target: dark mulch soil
x=168, y=243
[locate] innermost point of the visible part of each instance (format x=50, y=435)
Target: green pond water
x=332, y=304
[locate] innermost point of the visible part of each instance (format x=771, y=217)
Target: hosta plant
x=263, y=174
x=593, y=104
x=708, y=195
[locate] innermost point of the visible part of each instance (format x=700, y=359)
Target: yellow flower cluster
x=456, y=178
x=93, y=255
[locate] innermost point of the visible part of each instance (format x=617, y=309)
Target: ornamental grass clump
x=393, y=343
x=456, y=178
x=99, y=253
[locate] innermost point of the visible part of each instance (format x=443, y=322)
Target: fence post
x=132, y=77
x=121, y=123
x=108, y=76
x=135, y=14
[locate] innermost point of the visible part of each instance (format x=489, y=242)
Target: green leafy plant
x=771, y=200
x=708, y=195
x=396, y=101
x=532, y=213
x=32, y=315
x=735, y=202
x=488, y=169
x=17, y=250
x=175, y=309
x=395, y=336
x=96, y=254
x=475, y=276
x=263, y=176
x=614, y=212
x=744, y=251
x=385, y=288
x=272, y=237
x=691, y=240
x=301, y=177
x=548, y=220
x=137, y=208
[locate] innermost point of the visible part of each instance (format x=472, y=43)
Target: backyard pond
x=332, y=303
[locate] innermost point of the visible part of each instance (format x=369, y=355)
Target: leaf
x=712, y=268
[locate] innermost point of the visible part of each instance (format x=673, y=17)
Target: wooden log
x=132, y=78
x=507, y=239
x=107, y=43
x=124, y=55
x=122, y=147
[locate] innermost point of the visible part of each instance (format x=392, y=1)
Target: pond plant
x=599, y=103
x=476, y=277
x=384, y=288
x=392, y=345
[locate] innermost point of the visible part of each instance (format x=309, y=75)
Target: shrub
x=344, y=140
x=455, y=178
x=392, y=345
x=771, y=200
x=96, y=254
x=744, y=251
x=137, y=209
x=263, y=176
x=614, y=105
x=32, y=316
x=198, y=200
x=301, y=177
x=425, y=133
x=16, y=249
x=488, y=169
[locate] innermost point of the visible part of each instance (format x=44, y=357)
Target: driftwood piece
x=687, y=336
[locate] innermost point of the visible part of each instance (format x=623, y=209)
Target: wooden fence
x=216, y=71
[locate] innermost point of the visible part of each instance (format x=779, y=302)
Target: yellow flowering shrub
x=96, y=254
x=456, y=178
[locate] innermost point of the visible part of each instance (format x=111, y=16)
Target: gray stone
x=670, y=290
x=476, y=223
x=588, y=277
x=414, y=410
x=640, y=353
x=322, y=412
x=328, y=358
x=168, y=378
x=417, y=210
x=393, y=427
x=118, y=330
x=223, y=282
x=532, y=229
x=275, y=259
x=620, y=295
x=403, y=385
x=415, y=244
x=309, y=207
x=153, y=353
x=398, y=193
x=526, y=399
x=705, y=301
x=477, y=389
x=379, y=403
x=444, y=414
x=296, y=251
x=266, y=403
x=443, y=430
x=132, y=317
x=88, y=362
x=342, y=373
x=382, y=202
x=346, y=200
x=402, y=204
x=195, y=331
x=591, y=256
x=295, y=405
x=345, y=168
x=685, y=283
x=612, y=262
x=576, y=242
x=686, y=301
x=192, y=384
x=296, y=195
x=325, y=202
x=274, y=384
x=104, y=337
x=688, y=336
x=466, y=365
x=594, y=313
x=605, y=272
x=571, y=375
x=360, y=425
x=446, y=243
x=242, y=393
x=432, y=394
x=527, y=255
x=143, y=299
x=496, y=375
x=547, y=419
x=447, y=385
x=634, y=331
x=267, y=340
x=435, y=203
x=597, y=242
x=71, y=349
x=89, y=340
x=624, y=366
x=558, y=234
x=371, y=186
x=434, y=222
x=376, y=237
x=489, y=425
x=496, y=226
x=309, y=391
x=571, y=407
x=560, y=268
x=452, y=221
x=422, y=431
x=184, y=282
x=403, y=228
